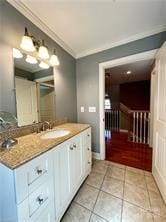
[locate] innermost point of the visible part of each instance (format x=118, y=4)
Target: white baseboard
x=123, y=130
x=96, y=156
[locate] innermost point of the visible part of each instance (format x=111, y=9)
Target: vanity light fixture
x=17, y=54
x=43, y=51
x=27, y=42
x=31, y=59
x=31, y=44
x=54, y=61
x=44, y=65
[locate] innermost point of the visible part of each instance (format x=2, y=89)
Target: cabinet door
x=75, y=162
x=78, y=160
x=87, y=152
x=72, y=165
x=61, y=178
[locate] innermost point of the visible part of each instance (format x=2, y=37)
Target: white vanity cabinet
x=26, y=193
x=42, y=189
x=72, y=164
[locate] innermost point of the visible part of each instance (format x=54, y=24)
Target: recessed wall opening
x=127, y=113
x=127, y=90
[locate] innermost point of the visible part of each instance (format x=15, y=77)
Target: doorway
x=127, y=119
x=107, y=65
x=46, y=99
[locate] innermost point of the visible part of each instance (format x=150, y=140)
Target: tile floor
x=117, y=193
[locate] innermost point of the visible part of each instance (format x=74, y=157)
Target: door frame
x=112, y=63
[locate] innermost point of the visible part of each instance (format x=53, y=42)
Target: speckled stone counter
x=32, y=145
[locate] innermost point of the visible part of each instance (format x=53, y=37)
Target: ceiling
x=84, y=27
x=140, y=71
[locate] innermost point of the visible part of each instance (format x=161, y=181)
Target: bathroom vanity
x=40, y=176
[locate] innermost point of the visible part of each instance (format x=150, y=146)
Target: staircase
x=138, y=123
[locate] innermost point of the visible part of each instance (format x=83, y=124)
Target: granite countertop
x=32, y=145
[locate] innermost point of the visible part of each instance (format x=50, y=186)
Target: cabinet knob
x=88, y=148
x=88, y=134
x=74, y=145
x=40, y=200
x=89, y=162
x=39, y=171
x=71, y=147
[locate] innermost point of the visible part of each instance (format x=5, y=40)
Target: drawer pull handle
x=71, y=148
x=74, y=145
x=39, y=171
x=40, y=200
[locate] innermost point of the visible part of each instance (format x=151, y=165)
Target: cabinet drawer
x=37, y=169
x=39, y=199
x=46, y=215
x=38, y=207
x=31, y=175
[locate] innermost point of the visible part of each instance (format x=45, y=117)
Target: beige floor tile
x=95, y=218
x=95, y=179
x=93, y=161
x=159, y=219
x=137, y=196
x=132, y=213
x=135, y=179
x=106, y=162
x=109, y=171
x=148, y=174
x=116, y=173
x=99, y=167
x=151, y=184
x=103, y=162
x=121, y=166
x=76, y=213
x=157, y=204
x=87, y=196
x=135, y=170
x=108, y=207
x=113, y=186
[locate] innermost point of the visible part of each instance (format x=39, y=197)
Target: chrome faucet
x=48, y=124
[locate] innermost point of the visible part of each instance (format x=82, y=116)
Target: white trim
x=142, y=35
x=21, y=7
x=123, y=130
x=46, y=78
x=96, y=155
x=102, y=66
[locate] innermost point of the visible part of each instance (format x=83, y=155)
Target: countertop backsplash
x=25, y=130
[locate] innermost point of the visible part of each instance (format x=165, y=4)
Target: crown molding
x=20, y=6
x=142, y=35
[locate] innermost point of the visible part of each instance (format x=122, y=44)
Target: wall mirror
x=35, y=90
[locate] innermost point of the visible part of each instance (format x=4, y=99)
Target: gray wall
x=114, y=94
x=87, y=70
x=12, y=27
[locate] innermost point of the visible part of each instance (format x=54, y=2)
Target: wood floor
x=119, y=150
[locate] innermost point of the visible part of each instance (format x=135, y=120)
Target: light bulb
x=43, y=51
x=17, y=54
x=31, y=59
x=128, y=72
x=27, y=43
x=54, y=61
x=43, y=65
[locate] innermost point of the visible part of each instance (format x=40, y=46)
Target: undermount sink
x=55, y=134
